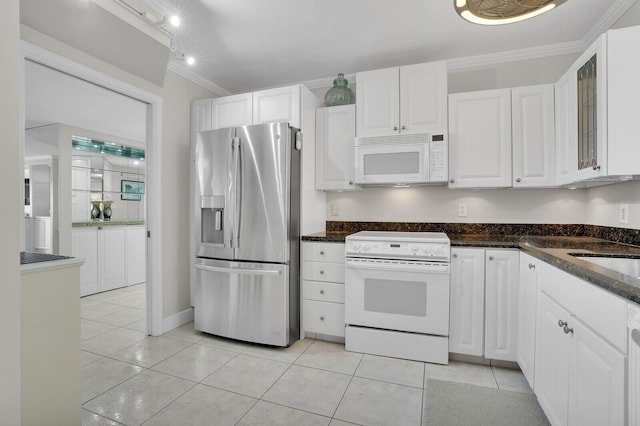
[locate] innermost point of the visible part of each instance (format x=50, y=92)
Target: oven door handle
x=397, y=266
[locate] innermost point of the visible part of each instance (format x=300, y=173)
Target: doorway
x=93, y=101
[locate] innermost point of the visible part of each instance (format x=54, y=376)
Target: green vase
x=106, y=210
x=95, y=210
x=339, y=94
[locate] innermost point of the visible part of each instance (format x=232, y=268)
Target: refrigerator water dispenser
x=212, y=220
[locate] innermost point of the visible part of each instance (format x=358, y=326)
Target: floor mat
x=448, y=403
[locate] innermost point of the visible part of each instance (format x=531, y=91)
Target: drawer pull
x=321, y=291
x=532, y=266
x=321, y=272
x=321, y=253
x=567, y=330
x=322, y=318
x=562, y=323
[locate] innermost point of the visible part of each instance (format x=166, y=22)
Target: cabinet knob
x=321, y=253
x=562, y=323
x=518, y=180
x=350, y=182
x=395, y=128
x=455, y=255
x=404, y=127
x=321, y=291
x=567, y=330
x=321, y=272
x=596, y=167
x=491, y=258
x=322, y=318
x=532, y=266
x=452, y=181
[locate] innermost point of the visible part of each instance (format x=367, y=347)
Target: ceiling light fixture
x=500, y=12
x=179, y=56
x=174, y=20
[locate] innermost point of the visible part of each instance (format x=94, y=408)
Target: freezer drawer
x=245, y=301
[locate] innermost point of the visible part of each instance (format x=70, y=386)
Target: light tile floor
x=190, y=378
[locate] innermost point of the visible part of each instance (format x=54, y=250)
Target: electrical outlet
x=462, y=209
x=624, y=213
x=334, y=210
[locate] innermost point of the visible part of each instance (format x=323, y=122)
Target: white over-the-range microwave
x=415, y=159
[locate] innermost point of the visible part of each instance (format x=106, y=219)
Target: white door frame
x=153, y=208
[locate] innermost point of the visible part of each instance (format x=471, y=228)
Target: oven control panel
x=436, y=251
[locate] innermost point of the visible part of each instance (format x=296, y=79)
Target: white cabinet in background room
x=580, y=351
x=529, y=282
x=484, y=300
x=114, y=256
x=323, y=289
x=480, y=139
x=533, y=136
x=335, y=134
x=405, y=100
x=136, y=254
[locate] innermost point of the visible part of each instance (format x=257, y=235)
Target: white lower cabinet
x=528, y=284
x=114, y=257
x=466, y=310
x=323, y=288
x=483, y=310
x=580, y=375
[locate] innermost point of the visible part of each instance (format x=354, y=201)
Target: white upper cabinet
x=566, y=145
x=480, y=139
x=335, y=134
x=276, y=105
x=596, y=111
x=232, y=111
x=405, y=100
x=533, y=136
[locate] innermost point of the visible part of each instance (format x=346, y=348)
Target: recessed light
x=174, y=20
x=190, y=60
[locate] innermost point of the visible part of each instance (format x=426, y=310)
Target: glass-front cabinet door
x=590, y=75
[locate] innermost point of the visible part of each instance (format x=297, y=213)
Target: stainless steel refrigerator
x=246, y=233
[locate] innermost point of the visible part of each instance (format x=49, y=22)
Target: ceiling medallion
x=500, y=12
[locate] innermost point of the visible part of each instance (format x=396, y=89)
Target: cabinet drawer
x=323, y=271
x=323, y=252
x=604, y=312
x=322, y=291
x=323, y=317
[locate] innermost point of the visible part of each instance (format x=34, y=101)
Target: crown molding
x=606, y=21
x=185, y=72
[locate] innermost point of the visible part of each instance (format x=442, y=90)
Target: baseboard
x=176, y=320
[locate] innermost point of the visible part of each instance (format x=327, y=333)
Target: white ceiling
x=243, y=45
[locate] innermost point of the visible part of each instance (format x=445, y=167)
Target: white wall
x=603, y=204
x=438, y=204
x=177, y=95
x=10, y=182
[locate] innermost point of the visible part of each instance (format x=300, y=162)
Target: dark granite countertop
x=28, y=257
x=555, y=250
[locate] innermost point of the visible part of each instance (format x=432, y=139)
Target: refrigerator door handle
x=239, y=270
x=237, y=178
x=233, y=171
